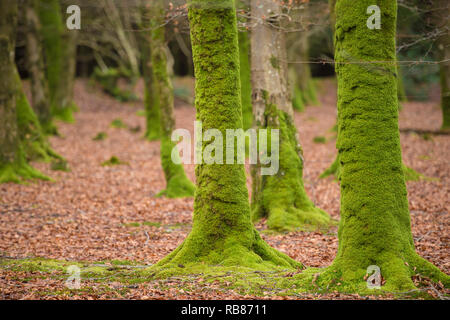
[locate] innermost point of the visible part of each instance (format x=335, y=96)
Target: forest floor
x=108, y=216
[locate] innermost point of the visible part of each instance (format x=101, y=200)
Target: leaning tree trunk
x=60, y=52
x=375, y=224
x=280, y=197
x=178, y=185
x=21, y=137
x=222, y=232
x=151, y=100
x=36, y=66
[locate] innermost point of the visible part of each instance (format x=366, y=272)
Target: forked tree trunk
x=222, y=232
x=273, y=110
x=36, y=66
x=375, y=224
x=178, y=185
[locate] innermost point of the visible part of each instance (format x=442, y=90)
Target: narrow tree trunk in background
x=443, y=46
x=222, y=232
x=151, y=100
x=246, y=85
x=21, y=137
x=9, y=135
x=178, y=185
x=273, y=110
x=36, y=65
x=60, y=52
x=303, y=87
x=375, y=223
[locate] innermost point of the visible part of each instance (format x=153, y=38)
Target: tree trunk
x=222, y=232
x=443, y=46
x=151, y=98
x=303, y=87
x=60, y=52
x=375, y=223
x=273, y=110
x=178, y=185
x=36, y=66
x=246, y=85
x=17, y=144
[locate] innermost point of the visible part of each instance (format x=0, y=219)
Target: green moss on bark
x=283, y=199
x=60, y=51
x=222, y=232
x=177, y=183
x=375, y=226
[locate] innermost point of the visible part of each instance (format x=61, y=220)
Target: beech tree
x=441, y=12
x=60, y=50
x=36, y=66
x=222, y=232
x=151, y=100
x=21, y=136
x=375, y=227
x=282, y=197
x=178, y=185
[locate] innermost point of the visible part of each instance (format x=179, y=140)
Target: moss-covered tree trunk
x=443, y=48
x=222, y=232
x=281, y=197
x=178, y=185
x=60, y=51
x=21, y=137
x=151, y=100
x=375, y=224
x=36, y=66
x=334, y=168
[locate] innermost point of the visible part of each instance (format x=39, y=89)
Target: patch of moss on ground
x=118, y=124
x=320, y=139
x=100, y=136
x=113, y=161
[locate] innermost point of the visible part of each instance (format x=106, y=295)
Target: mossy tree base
x=283, y=199
x=178, y=185
x=397, y=273
x=19, y=171
x=242, y=250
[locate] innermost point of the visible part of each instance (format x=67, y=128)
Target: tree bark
x=36, y=66
x=60, y=53
x=375, y=224
x=272, y=109
x=21, y=136
x=222, y=232
x=178, y=185
x=151, y=95
x=443, y=47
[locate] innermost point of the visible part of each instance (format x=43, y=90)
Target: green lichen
x=374, y=204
